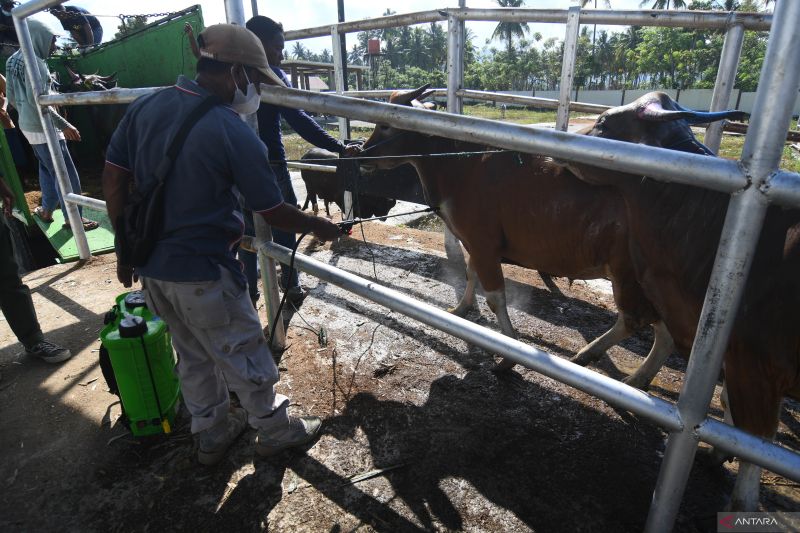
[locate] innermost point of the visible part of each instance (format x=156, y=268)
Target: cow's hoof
x=459, y=311
x=503, y=366
x=584, y=358
x=636, y=382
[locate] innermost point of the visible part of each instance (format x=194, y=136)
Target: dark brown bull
x=329, y=187
x=525, y=209
x=674, y=231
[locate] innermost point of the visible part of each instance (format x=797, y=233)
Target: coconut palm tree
x=506, y=31
x=727, y=5
x=664, y=4
x=607, y=3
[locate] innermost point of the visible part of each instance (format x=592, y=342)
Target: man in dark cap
x=270, y=33
x=192, y=278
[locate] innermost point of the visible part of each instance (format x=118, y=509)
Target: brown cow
x=524, y=209
x=674, y=231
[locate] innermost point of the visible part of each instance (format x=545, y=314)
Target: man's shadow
x=158, y=485
x=556, y=463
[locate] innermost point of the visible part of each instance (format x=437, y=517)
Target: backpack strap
x=168, y=161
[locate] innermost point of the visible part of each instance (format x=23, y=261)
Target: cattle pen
x=753, y=183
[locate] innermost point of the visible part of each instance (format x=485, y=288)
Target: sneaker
x=48, y=352
x=301, y=430
x=215, y=441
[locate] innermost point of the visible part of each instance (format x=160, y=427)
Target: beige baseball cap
x=230, y=43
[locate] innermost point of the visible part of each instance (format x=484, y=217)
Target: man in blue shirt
x=269, y=129
x=82, y=26
x=192, y=278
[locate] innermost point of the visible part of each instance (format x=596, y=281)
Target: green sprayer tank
x=140, y=353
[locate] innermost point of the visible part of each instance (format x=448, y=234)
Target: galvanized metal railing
x=753, y=183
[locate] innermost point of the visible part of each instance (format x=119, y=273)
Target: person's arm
x=7, y=196
x=309, y=130
x=88, y=34
x=5, y=119
x=256, y=181
x=289, y=218
x=71, y=133
x=116, y=184
x=189, y=31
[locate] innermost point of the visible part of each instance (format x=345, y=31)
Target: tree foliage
x=632, y=58
x=130, y=24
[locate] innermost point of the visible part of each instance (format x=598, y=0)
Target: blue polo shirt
x=221, y=158
x=269, y=126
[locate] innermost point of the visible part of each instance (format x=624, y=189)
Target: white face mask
x=245, y=104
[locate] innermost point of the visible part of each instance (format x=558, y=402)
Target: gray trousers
x=218, y=338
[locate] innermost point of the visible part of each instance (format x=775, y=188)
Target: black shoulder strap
x=165, y=166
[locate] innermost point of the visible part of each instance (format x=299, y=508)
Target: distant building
x=308, y=74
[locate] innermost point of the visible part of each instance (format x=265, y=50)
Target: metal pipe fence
x=778, y=459
x=753, y=183
x=672, y=19
x=40, y=86
x=723, y=88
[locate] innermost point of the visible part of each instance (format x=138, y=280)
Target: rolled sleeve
x=119, y=149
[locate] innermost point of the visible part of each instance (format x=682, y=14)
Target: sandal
x=88, y=225
x=43, y=214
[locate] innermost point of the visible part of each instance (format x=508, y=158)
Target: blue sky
x=297, y=14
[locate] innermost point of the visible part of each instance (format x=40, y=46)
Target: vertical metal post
x=40, y=87
x=568, y=67
x=234, y=12
x=344, y=123
x=338, y=69
x=723, y=87
x=254, y=7
x=343, y=47
x=269, y=278
x=777, y=92
x=455, y=82
x=455, y=62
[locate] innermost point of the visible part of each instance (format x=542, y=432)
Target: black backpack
x=142, y=219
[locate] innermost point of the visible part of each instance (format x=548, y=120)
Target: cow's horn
x=406, y=97
x=426, y=94
x=655, y=112
x=701, y=117
x=72, y=74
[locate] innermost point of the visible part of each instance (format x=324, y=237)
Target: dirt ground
x=463, y=448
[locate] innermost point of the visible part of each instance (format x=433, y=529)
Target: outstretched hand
x=71, y=133
x=325, y=230
x=352, y=149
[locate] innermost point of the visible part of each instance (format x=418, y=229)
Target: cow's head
x=390, y=141
x=89, y=82
x=655, y=119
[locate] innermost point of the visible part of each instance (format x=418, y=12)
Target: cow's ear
x=405, y=98
x=426, y=94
